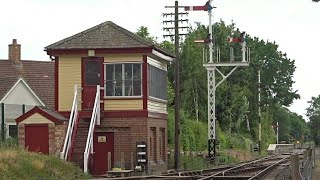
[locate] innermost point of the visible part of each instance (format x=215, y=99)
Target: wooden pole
x=177, y=90
x=295, y=174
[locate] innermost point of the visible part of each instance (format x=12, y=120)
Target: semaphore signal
x=213, y=66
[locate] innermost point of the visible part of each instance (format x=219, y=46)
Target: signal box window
x=123, y=79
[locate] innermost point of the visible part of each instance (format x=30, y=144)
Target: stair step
x=82, y=133
x=80, y=146
x=78, y=150
x=80, y=141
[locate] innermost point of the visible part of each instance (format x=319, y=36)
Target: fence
x=302, y=170
x=8, y=114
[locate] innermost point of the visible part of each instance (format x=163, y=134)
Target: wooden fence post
x=295, y=171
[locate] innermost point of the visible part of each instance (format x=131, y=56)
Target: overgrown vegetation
x=17, y=163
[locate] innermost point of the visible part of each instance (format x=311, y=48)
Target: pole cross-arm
x=225, y=77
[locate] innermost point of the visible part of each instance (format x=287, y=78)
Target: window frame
x=123, y=80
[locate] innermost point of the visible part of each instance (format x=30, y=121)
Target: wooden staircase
x=80, y=141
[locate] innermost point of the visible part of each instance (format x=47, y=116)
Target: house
x=120, y=102
x=23, y=85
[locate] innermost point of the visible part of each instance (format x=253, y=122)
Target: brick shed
x=41, y=130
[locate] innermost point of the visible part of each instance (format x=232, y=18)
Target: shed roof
x=44, y=111
x=107, y=35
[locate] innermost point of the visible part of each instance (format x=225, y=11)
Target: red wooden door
x=37, y=138
x=92, y=75
x=102, y=145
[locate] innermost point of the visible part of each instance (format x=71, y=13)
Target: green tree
x=143, y=31
x=236, y=99
x=313, y=113
x=282, y=115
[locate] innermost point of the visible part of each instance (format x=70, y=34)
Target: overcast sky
x=293, y=24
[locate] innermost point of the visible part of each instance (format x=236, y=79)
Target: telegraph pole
x=176, y=75
x=259, y=110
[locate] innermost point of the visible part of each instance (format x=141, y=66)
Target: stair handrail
x=73, y=116
x=95, y=117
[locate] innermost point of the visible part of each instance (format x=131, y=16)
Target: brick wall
x=51, y=138
x=21, y=135
x=128, y=131
x=160, y=161
x=60, y=132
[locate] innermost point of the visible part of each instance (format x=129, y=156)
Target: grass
x=17, y=163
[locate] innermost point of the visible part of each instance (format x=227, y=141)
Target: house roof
x=45, y=112
x=20, y=80
x=105, y=36
x=38, y=74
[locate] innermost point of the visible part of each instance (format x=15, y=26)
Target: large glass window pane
x=118, y=79
x=109, y=80
x=158, y=83
x=137, y=80
x=123, y=79
x=128, y=79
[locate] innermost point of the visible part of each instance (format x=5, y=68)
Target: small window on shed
x=13, y=131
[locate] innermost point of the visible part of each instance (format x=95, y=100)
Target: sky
x=293, y=24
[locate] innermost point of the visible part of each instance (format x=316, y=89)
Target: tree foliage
x=237, y=97
x=313, y=112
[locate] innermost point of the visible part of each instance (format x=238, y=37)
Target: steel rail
x=268, y=169
x=238, y=167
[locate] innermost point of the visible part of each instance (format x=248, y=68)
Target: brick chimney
x=15, y=52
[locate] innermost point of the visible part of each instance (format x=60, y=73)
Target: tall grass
x=17, y=163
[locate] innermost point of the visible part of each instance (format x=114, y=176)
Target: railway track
x=251, y=170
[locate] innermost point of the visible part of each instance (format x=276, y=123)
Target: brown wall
x=51, y=139
x=158, y=162
x=60, y=132
x=128, y=131
x=21, y=135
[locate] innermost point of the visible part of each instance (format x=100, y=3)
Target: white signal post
x=211, y=67
x=277, y=132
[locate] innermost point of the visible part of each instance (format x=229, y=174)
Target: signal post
x=212, y=65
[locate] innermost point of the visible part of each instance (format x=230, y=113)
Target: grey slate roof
x=105, y=36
